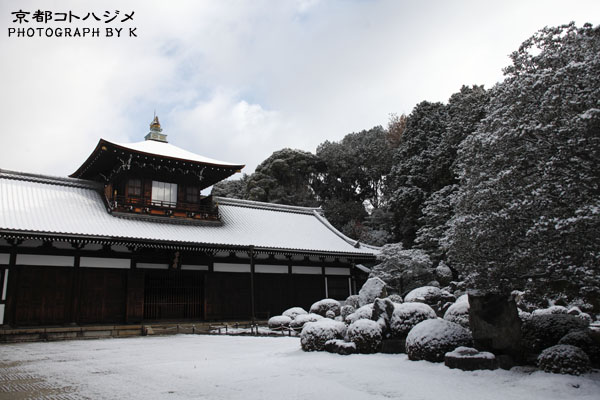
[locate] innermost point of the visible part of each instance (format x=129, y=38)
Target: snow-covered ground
x=234, y=367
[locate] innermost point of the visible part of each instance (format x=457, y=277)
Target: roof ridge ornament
x=156, y=131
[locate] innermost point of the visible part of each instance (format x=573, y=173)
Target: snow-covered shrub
x=424, y=294
x=298, y=323
x=279, y=322
x=584, y=341
x=431, y=295
x=581, y=306
x=550, y=310
x=459, y=312
x=431, y=339
x=322, y=306
x=574, y=310
x=366, y=335
x=544, y=330
x=314, y=335
x=407, y=315
x=330, y=314
x=564, y=359
x=520, y=298
x=585, y=317
x=346, y=310
x=294, y=312
x=457, y=286
x=395, y=298
x=523, y=315
x=364, y=312
x=443, y=274
x=352, y=300
x=372, y=289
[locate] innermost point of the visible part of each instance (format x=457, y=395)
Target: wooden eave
x=88, y=165
x=172, y=245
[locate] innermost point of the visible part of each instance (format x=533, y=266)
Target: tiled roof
x=168, y=150
x=36, y=204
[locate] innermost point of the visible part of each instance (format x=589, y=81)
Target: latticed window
x=192, y=194
x=134, y=187
x=164, y=193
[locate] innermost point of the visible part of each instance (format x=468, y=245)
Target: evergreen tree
x=354, y=179
x=528, y=206
x=286, y=177
x=465, y=110
x=414, y=174
x=356, y=167
x=233, y=188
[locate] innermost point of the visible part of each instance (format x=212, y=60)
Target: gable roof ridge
x=347, y=239
x=267, y=206
x=49, y=179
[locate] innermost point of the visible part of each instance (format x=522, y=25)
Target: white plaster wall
x=296, y=269
x=152, y=266
x=190, y=267
x=100, y=262
x=337, y=271
x=224, y=267
x=4, y=259
x=270, y=269
x=52, y=261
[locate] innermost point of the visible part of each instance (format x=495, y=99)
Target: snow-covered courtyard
x=235, y=367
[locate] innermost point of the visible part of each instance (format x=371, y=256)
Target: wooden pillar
x=207, y=282
x=291, y=283
x=3, y=290
x=10, y=309
x=73, y=312
x=324, y=281
x=252, y=282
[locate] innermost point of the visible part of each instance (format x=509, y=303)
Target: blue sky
x=237, y=80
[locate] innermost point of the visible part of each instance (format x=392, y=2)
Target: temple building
x=129, y=238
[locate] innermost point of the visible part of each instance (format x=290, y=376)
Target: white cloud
x=248, y=130
x=238, y=80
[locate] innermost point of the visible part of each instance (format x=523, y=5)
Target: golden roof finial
x=156, y=131
x=155, y=124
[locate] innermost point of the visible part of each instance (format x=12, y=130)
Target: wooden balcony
x=206, y=210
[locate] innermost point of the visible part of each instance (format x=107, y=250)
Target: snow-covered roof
x=363, y=268
x=33, y=204
x=165, y=149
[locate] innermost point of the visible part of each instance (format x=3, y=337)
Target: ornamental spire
x=156, y=131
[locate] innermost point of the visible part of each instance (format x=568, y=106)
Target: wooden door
x=307, y=289
x=173, y=295
x=102, y=295
x=271, y=294
x=43, y=295
x=228, y=296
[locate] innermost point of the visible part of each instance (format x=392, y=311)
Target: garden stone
x=470, y=359
x=372, y=289
x=495, y=324
x=339, y=346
